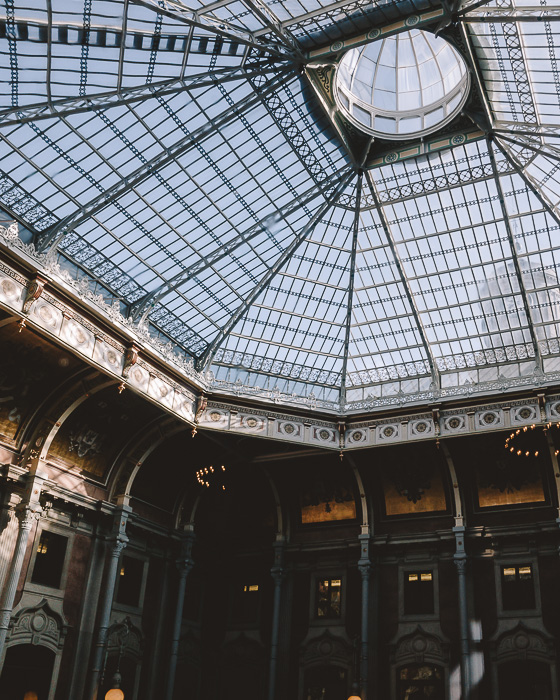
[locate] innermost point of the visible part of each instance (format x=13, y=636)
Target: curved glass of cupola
x=403, y=86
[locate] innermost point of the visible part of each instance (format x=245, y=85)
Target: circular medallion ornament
x=373, y=34
x=324, y=434
x=525, y=413
x=388, y=431
x=489, y=418
x=47, y=315
x=458, y=139
x=252, y=422
x=38, y=622
x=357, y=435
x=337, y=46
x=215, y=416
x=419, y=645
x=421, y=427
x=112, y=357
x=454, y=423
x=289, y=428
x=138, y=375
x=8, y=287
x=412, y=20
x=391, y=157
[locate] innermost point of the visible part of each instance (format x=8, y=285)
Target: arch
x=456, y=491
x=50, y=400
x=325, y=656
x=523, y=642
x=365, y=504
x=136, y=451
x=38, y=625
x=43, y=435
x=34, y=650
x=422, y=657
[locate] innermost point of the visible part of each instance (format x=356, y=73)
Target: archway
x=27, y=668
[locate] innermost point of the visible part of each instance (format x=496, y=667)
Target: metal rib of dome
x=174, y=159
x=406, y=85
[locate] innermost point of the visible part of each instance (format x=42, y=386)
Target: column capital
x=365, y=569
x=184, y=565
x=27, y=515
x=460, y=563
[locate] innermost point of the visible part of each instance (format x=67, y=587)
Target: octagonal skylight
x=402, y=86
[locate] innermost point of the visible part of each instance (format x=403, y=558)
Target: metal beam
x=404, y=281
x=270, y=20
x=52, y=237
x=350, y=290
x=206, y=358
x=543, y=149
x=143, y=306
x=125, y=96
x=526, y=13
x=527, y=129
x=515, y=260
x=181, y=13
x=528, y=180
x=480, y=87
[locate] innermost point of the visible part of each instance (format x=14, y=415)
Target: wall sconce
x=115, y=693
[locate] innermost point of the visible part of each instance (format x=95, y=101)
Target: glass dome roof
x=407, y=85
x=172, y=157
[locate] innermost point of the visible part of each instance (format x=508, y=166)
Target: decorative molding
x=326, y=649
x=38, y=625
x=178, y=391
x=418, y=648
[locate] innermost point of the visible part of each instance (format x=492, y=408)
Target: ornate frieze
x=127, y=359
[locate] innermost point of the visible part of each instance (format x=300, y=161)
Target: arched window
x=419, y=681
x=524, y=678
x=325, y=682
x=27, y=668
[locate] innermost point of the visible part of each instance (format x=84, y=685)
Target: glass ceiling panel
x=203, y=186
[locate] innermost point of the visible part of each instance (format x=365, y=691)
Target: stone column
x=184, y=565
x=460, y=559
x=278, y=575
x=364, y=566
x=27, y=513
x=88, y=614
x=118, y=542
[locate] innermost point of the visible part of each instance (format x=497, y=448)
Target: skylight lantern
x=402, y=86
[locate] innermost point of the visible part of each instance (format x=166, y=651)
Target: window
x=49, y=559
x=524, y=678
x=518, y=587
x=329, y=598
x=420, y=681
x=418, y=593
x=130, y=581
x=246, y=603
